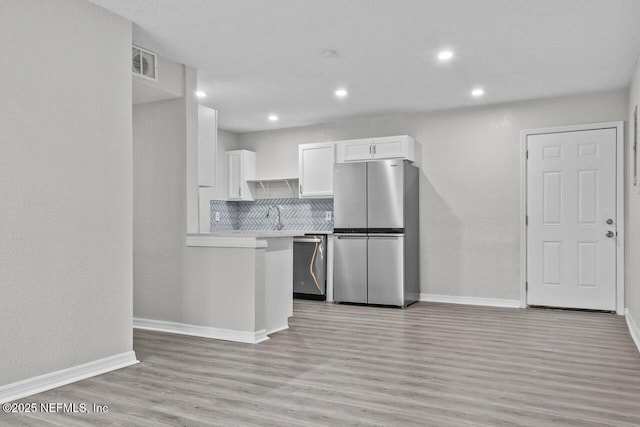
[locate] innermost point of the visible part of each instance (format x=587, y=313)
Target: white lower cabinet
x=241, y=168
x=315, y=167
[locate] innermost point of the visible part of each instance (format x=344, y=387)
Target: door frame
x=524, y=134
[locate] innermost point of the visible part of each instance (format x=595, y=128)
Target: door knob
x=609, y=221
x=609, y=234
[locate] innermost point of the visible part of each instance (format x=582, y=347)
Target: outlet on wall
x=328, y=215
x=217, y=216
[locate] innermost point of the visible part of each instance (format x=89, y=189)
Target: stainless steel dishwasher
x=310, y=267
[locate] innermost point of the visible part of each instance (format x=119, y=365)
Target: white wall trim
x=452, y=299
x=633, y=328
x=273, y=331
x=201, y=331
x=30, y=386
x=619, y=126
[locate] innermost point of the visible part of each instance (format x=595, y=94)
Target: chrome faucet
x=279, y=225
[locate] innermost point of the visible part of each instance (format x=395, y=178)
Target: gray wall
x=65, y=186
x=159, y=213
x=172, y=282
x=632, y=217
x=170, y=83
x=470, y=181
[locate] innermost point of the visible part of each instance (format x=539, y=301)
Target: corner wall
x=65, y=187
x=159, y=210
x=165, y=286
x=469, y=181
x=632, y=218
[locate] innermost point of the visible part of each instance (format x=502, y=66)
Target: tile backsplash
x=297, y=214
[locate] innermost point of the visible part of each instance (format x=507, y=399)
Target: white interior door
x=571, y=213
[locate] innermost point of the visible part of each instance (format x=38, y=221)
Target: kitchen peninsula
x=239, y=284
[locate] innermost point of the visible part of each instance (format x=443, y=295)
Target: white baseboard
x=201, y=331
x=490, y=302
x=278, y=330
x=30, y=386
x=633, y=328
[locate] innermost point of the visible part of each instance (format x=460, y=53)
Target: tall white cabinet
x=207, y=141
x=315, y=167
x=241, y=168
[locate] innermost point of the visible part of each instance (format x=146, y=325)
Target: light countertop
x=238, y=239
x=258, y=233
x=243, y=238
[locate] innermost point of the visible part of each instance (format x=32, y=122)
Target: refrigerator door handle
x=386, y=235
x=350, y=236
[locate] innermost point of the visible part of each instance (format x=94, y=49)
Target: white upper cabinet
x=388, y=147
x=355, y=150
x=207, y=139
x=315, y=167
x=394, y=147
x=241, y=168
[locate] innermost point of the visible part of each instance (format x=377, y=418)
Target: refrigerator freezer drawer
x=386, y=270
x=350, y=269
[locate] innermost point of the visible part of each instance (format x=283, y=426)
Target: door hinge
x=526, y=220
x=526, y=153
x=526, y=286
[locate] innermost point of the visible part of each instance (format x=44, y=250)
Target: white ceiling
x=258, y=57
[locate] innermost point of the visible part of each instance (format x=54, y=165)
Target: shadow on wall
x=440, y=243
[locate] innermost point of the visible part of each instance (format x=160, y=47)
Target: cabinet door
x=393, y=147
x=207, y=135
x=241, y=167
x=315, y=162
x=234, y=175
x=355, y=150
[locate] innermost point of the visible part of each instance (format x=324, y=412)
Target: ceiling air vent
x=144, y=63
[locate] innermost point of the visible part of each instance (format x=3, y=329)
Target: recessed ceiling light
x=445, y=55
x=477, y=92
x=341, y=93
x=329, y=53
x=273, y=118
x=200, y=94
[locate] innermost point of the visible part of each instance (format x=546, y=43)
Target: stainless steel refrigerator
x=376, y=233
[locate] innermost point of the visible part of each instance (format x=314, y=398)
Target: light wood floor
x=429, y=365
